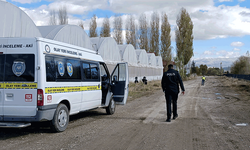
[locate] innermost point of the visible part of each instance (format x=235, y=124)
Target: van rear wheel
x=61, y=119
x=111, y=107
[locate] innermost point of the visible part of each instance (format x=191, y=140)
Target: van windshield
x=17, y=67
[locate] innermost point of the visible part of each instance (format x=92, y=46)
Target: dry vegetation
x=139, y=89
x=243, y=86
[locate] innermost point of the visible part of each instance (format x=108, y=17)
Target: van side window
x=86, y=70
x=94, y=71
x=90, y=71
x=73, y=69
x=20, y=67
x=50, y=69
x=1, y=67
x=61, y=69
x=104, y=72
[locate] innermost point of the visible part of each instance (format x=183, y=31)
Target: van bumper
x=44, y=113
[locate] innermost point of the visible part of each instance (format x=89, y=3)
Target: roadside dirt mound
x=240, y=85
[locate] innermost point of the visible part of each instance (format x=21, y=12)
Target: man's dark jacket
x=171, y=80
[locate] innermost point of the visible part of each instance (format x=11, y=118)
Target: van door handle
x=9, y=95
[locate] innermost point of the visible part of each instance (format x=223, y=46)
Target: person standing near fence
x=170, y=86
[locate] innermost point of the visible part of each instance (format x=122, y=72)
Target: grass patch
x=137, y=90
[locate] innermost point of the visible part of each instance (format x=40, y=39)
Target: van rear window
x=18, y=67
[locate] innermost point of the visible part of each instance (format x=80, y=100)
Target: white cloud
x=220, y=22
x=215, y=62
x=79, y=7
x=241, y=0
x=225, y=0
x=210, y=22
x=236, y=49
x=208, y=53
x=26, y=1
x=227, y=54
x=237, y=44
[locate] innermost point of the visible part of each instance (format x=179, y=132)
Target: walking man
x=203, y=80
x=170, y=86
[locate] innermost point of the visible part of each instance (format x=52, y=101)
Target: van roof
x=96, y=55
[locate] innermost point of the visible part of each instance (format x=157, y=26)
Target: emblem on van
x=18, y=68
x=69, y=69
x=61, y=68
x=47, y=48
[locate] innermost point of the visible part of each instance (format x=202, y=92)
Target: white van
x=46, y=80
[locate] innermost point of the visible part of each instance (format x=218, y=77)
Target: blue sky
x=221, y=27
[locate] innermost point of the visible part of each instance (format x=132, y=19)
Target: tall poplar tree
x=52, y=19
x=131, y=31
x=143, y=32
x=166, y=50
x=184, y=37
x=63, y=15
x=118, y=29
x=93, y=27
x=105, y=30
x=154, y=33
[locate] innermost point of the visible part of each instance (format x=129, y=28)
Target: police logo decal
x=70, y=69
x=61, y=68
x=18, y=68
x=47, y=48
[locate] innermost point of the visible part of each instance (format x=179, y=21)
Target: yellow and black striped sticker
x=51, y=90
x=15, y=85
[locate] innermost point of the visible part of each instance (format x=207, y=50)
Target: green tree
x=143, y=32
x=213, y=71
x=105, y=30
x=154, y=33
x=203, y=69
x=184, y=37
x=166, y=49
x=241, y=66
x=193, y=68
x=197, y=70
x=93, y=27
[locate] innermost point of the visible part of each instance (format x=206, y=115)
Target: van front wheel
x=61, y=119
x=111, y=107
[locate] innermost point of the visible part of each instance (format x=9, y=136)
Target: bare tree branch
x=63, y=15
x=118, y=29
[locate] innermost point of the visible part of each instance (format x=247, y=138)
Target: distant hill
x=215, y=62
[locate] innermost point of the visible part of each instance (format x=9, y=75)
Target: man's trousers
x=171, y=97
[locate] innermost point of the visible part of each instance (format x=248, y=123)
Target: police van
x=46, y=80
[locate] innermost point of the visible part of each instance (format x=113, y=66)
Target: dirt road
x=211, y=117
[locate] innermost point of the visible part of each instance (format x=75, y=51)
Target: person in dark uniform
x=170, y=86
